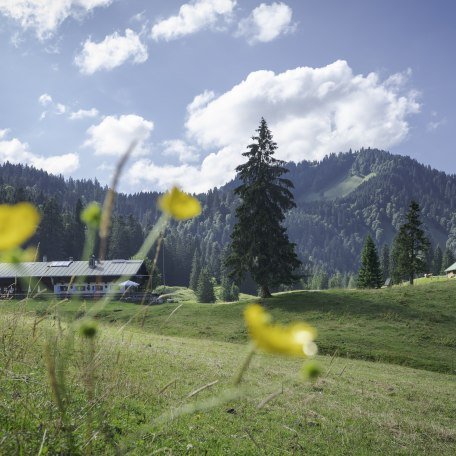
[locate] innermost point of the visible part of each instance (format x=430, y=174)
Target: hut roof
x=71, y=268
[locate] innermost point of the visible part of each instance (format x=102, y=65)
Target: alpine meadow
x=227, y=228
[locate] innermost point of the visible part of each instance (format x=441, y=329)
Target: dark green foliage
x=154, y=273
x=370, y=274
x=205, y=291
x=410, y=246
x=447, y=260
x=259, y=242
x=319, y=281
x=229, y=291
x=234, y=292
x=385, y=262
x=51, y=233
x=336, y=281
x=437, y=261
x=352, y=282
x=328, y=229
x=126, y=237
x=195, y=272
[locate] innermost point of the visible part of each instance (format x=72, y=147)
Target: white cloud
x=216, y=169
x=59, y=108
x=310, y=111
x=15, y=151
x=193, y=17
x=45, y=16
x=45, y=99
x=177, y=148
x=110, y=53
x=266, y=22
x=84, y=114
x=435, y=124
x=113, y=135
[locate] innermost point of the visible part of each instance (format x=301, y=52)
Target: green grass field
x=114, y=397
x=413, y=326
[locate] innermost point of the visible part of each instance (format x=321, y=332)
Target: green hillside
x=413, y=326
x=133, y=392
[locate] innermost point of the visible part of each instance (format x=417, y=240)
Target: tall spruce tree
x=410, y=246
x=205, y=291
x=259, y=242
x=385, y=261
x=370, y=274
x=195, y=272
x=437, y=261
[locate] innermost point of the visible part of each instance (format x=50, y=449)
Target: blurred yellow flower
x=17, y=224
x=179, y=205
x=91, y=215
x=296, y=339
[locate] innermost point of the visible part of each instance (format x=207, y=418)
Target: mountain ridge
x=340, y=200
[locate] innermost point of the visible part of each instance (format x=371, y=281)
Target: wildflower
x=179, y=205
x=296, y=339
x=91, y=215
x=17, y=224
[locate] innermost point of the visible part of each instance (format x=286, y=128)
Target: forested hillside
x=339, y=201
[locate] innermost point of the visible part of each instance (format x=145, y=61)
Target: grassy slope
x=339, y=189
x=414, y=326
x=357, y=407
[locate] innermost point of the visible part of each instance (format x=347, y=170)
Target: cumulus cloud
x=193, y=17
x=15, y=151
x=177, y=148
x=113, y=135
x=45, y=99
x=46, y=16
x=310, y=111
x=215, y=169
x=266, y=22
x=110, y=53
x=84, y=114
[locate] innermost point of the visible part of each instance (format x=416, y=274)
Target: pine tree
x=205, y=291
x=225, y=285
x=385, y=261
x=259, y=242
x=234, y=293
x=336, y=280
x=370, y=275
x=411, y=246
x=437, y=261
x=195, y=272
x=352, y=283
x=448, y=260
x=51, y=232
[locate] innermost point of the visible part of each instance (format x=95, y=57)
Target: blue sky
x=190, y=81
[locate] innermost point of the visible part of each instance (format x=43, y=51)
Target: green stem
x=245, y=364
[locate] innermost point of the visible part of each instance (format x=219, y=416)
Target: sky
x=189, y=81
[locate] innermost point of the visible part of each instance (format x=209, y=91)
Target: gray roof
x=70, y=268
x=451, y=268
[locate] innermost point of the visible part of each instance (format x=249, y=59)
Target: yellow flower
x=91, y=215
x=296, y=339
x=179, y=205
x=17, y=224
